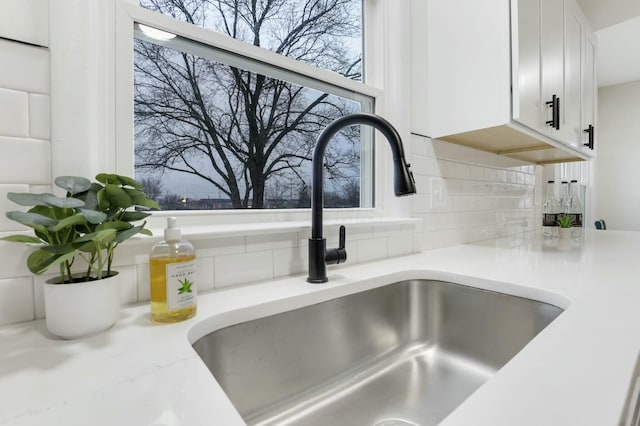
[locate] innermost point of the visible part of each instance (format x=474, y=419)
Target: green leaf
x=21, y=239
x=146, y=232
x=47, y=211
x=70, y=221
x=125, y=235
x=101, y=238
x=117, y=225
x=42, y=233
x=132, y=216
x=90, y=197
x=127, y=181
x=39, y=261
x=103, y=200
x=115, y=179
x=28, y=199
x=108, y=178
x=65, y=203
x=118, y=196
x=73, y=184
x=93, y=216
x=59, y=249
x=139, y=198
x=31, y=219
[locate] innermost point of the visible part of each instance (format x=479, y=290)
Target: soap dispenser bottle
x=172, y=276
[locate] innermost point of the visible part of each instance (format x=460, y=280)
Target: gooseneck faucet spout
x=404, y=184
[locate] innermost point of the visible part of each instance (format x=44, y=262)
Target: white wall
x=482, y=195
x=616, y=170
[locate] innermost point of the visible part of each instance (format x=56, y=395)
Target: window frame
x=126, y=13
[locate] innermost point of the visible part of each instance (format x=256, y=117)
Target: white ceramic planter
x=82, y=309
x=565, y=233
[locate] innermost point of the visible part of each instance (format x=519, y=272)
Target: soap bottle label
x=181, y=285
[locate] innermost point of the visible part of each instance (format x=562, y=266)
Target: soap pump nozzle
x=171, y=233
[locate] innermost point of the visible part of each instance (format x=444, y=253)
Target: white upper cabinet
x=514, y=77
x=571, y=109
x=590, y=91
x=527, y=56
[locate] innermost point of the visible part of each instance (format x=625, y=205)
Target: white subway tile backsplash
x=128, y=284
x=271, y=241
x=219, y=246
x=16, y=300
x=14, y=113
x=372, y=249
x=290, y=261
x=204, y=273
x=39, y=116
x=144, y=291
x=24, y=67
x=399, y=245
x=25, y=20
x=38, y=294
x=14, y=259
x=25, y=161
x=243, y=268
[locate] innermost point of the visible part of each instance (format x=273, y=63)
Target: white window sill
x=234, y=230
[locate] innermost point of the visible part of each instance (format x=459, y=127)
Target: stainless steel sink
x=404, y=354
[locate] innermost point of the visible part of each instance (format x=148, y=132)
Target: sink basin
x=407, y=353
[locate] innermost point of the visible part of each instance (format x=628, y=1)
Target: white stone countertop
x=577, y=371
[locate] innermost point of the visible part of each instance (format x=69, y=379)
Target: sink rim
x=310, y=294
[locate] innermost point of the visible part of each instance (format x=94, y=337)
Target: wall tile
x=243, y=268
x=25, y=161
x=25, y=20
x=271, y=241
x=24, y=67
x=39, y=116
x=14, y=259
x=16, y=300
x=398, y=245
x=38, y=294
x=142, y=272
x=219, y=246
x=14, y=113
x=290, y=261
x=372, y=249
x=128, y=284
x=205, y=273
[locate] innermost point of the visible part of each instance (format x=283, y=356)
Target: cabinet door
x=571, y=104
x=552, y=54
x=526, y=69
x=590, y=87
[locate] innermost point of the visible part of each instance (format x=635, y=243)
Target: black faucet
x=404, y=184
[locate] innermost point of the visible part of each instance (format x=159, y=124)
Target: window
x=217, y=130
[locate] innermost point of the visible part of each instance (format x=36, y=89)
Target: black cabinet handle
x=554, y=103
x=589, y=130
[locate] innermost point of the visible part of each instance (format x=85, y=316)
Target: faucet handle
x=338, y=255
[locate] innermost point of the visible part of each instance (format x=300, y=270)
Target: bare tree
x=350, y=192
x=233, y=128
x=152, y=187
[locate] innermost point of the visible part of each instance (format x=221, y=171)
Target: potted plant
x=79, y=233
x=565, y=222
